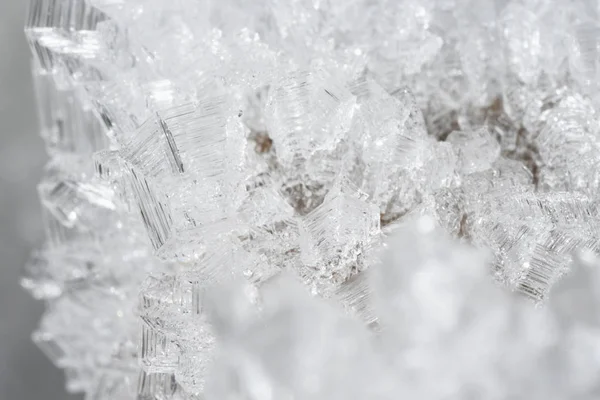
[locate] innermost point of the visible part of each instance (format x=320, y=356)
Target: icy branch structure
x=305, y=199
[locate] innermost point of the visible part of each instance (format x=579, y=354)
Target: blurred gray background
x=25, y=372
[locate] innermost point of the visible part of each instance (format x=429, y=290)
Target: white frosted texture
x=298, y=199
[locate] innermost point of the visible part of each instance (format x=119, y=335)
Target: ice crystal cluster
x=320, y=199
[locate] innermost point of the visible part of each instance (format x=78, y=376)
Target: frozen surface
x=383, y=191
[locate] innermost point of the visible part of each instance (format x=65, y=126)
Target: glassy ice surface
x=303, y=199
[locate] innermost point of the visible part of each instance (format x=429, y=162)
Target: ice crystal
x=308, y=199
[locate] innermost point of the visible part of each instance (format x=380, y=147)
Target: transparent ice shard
x=275, y=248
x=57, y=232
x=307, y=111
x=562, y=209
x=535, y=236
x=188, y=292
x=509, y=175
x=571, y=127
x=155, y=298
x=265, y=206
x=512, y=241
x=450, y=211
x=173, y=308
x=61, y=27
x=392, y=143
x=440, y=168
x=364, y=87
x=161, y=94
x=195, y=362
x=553, y=259
x=386, y=150
x=356, y=296
x=476, y=150
x=195, y=338
x=540, y=274
x=398, y=197
x=152, y=150
x=109, y=165
x=392, y=127
x=153, y=207
x=252, y=66
x=414, y=123
x=120, y=105
x=203, y=138
x=339, y=232
x=156, y=385
x=68, y=120
x=76, y=204
x=322, y=168
x=220, y=262
x=191, y=242
x=158, y=354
